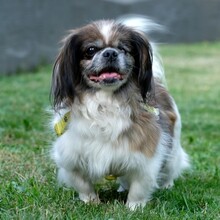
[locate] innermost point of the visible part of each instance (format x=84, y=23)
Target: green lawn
x=28, y=186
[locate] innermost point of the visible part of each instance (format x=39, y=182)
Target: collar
x=61, y=125
x=150, y=109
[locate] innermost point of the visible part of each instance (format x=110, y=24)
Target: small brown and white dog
x=113, y=114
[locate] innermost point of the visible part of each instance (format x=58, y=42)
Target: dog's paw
x=167, y=185
x=133, y=206
x=89, y=198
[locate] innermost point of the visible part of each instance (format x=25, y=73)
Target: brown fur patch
x=145, y=131
x=165, y=104
x=144, y=134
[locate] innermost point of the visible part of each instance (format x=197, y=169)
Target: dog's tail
x=147, y=26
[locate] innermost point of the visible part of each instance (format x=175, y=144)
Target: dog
x=113, y=114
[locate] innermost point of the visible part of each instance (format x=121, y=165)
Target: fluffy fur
x=104, y=75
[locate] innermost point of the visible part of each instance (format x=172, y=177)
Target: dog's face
x=102, y=55
x=106, y=65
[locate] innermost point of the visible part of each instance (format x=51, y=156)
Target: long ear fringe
x=145, y=73
x=146, y=25
x=65, y=74
x=143, y=63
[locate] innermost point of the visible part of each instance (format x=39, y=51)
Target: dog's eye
x=90, y=52
x=122, y=49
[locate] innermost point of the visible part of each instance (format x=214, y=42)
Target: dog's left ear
x=143, y=64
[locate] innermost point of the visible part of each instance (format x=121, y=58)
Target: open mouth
x=106, y=76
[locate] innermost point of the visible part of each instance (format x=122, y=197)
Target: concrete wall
x=31, y=29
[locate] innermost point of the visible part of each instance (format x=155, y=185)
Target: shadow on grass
x=108, y=193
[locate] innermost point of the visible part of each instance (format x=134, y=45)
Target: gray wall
x=31, y=29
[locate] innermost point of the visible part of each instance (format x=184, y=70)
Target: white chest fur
x=101, y=117
x=93, y=141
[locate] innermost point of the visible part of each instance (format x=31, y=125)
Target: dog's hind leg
x=177, y=159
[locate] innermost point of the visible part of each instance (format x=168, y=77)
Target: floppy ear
x=66, y=72
x=143, y=64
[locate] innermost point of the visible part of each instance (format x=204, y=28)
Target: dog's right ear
x=66, y=72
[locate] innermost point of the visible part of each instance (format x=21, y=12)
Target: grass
x=28, y=187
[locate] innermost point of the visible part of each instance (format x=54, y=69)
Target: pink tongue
x=109, y=75
x=105, y=76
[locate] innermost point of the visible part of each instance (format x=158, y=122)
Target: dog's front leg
x=80, y=183
x=139, y=194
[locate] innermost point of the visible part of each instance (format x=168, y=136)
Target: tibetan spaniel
x=113, y=114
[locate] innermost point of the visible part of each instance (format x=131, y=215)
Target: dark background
x=30, y=30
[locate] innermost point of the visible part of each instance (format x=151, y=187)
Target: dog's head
x=104, y=55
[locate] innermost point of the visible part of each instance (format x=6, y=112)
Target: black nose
x=110, y=54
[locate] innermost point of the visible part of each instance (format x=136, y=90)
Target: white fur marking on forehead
x=106, y=30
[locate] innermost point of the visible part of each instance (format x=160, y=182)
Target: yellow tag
x=61, y=125
x=151, y=109
x=110, y=177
